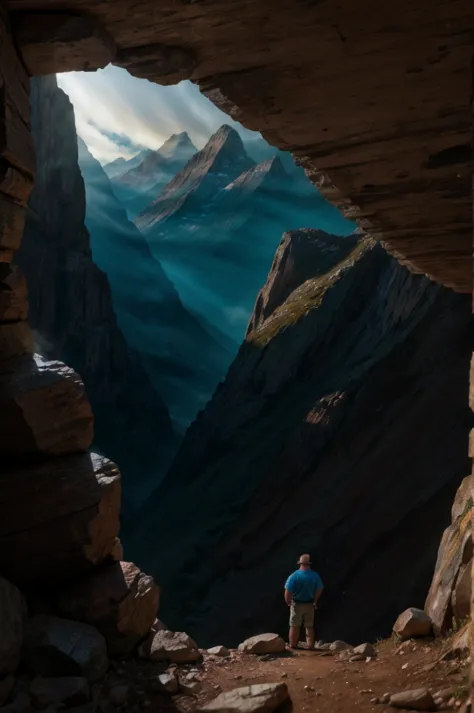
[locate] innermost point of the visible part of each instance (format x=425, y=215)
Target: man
x=302, y=591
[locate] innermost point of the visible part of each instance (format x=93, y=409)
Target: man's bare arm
x=288, y=597
x=317, y=595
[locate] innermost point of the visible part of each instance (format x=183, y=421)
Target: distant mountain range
x=137, y=183
x=185, y=274
x=184, y=359
x=218, y=222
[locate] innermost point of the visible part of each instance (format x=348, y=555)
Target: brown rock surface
x=449, y=594
x=413, y=623
x=377, y=109
x=259, y=698
x=419, y=699
x=43, y=409
x=16, y=339
x=165, y=645
x=75, y=42
x=263, y=644
x=13, y=294
x=12, y=613
x=119, y=600
x=67, y=527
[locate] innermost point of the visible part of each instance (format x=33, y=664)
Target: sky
x=118, y=115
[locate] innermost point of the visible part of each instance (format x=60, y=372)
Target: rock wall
x=340, y=431
x=449, y=598
x=71, y=304
x=374, y=99
x=59, y=504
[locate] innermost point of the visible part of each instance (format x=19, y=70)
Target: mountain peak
x=177, y=145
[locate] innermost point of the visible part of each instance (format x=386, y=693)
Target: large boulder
x=68, y=526
x=413, y=623
x=263, y=644
x=43, y=409
x=12, y=613
x=119, y=600
x=259, y=698
x=443, y=602
x=176, y=647
x=61, y=647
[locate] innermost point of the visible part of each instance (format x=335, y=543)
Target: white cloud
x=117, y=113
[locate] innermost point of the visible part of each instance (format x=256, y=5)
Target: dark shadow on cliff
x=341, y=433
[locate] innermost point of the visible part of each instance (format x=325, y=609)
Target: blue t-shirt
x=303, y=584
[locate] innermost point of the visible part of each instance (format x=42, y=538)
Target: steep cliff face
x=71, y=307
x=339, y=430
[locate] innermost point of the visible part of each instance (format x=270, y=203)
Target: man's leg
x=310, y=636
x=294, y=636
x=309, y=626
x=295, y=625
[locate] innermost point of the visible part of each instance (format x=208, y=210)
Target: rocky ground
x=333, y=678
x=317, y=681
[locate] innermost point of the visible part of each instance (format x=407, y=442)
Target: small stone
x=357, y=657
x=119, y=694
x=191, y=689
x=367, y=650
x=166, y=645
x=238, y=677
x=338, y=646
x=451, y=702
x=374, y=700
x=165, y=682
x=191, y=677
x=419, y=699
x=218, y=651
x=284, y=675
x=263, y=644
x=385, y=698
x=405, y=666
x=308, y=688
x=438, y=702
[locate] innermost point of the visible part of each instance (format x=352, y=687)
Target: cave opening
x=310, y=431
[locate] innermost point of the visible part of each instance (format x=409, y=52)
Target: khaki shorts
x=302, y=614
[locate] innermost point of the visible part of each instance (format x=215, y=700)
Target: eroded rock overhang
x=374, y=98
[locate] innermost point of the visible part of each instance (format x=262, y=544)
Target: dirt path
x=317, y=683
